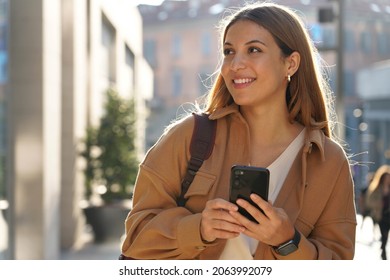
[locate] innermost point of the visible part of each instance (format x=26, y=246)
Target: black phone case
x=245, y=180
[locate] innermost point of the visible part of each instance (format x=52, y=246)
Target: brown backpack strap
x=201, y=147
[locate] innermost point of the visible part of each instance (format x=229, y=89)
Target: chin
x=242, y=101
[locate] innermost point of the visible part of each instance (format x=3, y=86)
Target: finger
x=223, y=225
x=223, y=234
x=213, y=212
x=224, y=215
x=264, y=205
x=219, y=226
x=242, y=220
x=253, y=211
x=219, y=203
x=216, y=222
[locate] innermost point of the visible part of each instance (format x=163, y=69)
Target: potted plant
x=111, y=167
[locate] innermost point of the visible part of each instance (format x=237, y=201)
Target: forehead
x=247, y=30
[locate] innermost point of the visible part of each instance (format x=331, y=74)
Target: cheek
x=224, y=71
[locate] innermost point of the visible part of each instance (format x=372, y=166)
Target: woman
x=378, y=203
x=270, y=103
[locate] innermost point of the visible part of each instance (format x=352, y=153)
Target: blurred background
x=81, y=80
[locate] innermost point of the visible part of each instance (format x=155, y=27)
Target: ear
x=292, y=62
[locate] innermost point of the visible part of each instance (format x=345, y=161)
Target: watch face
x=290, y=246
x=286, y=249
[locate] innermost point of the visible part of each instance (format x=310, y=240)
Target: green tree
x=89, y=170
x=115, y=166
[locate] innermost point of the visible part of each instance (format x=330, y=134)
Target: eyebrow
x=248, y=43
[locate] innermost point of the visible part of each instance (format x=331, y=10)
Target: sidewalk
x=367, y=245
x=88, y=250
x=368, y=242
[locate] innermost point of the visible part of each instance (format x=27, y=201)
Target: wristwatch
x=289, y=246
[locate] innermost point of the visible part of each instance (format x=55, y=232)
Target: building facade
x=374, y=90
x=58, y=58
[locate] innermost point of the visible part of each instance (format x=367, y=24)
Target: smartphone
x=245, y=180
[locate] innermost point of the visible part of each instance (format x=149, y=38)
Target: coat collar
x=313, y=136
x=316, y=137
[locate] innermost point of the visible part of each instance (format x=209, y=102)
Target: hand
x=273, y=228
x=217, y=221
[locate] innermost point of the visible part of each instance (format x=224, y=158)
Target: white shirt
x=243, y=247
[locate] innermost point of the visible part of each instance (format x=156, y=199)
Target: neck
x=270, y=128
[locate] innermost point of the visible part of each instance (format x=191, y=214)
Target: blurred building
x=182, y=45
x=366, y=48
x=374, y=89
x=57, y=59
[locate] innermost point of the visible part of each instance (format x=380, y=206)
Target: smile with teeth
x=243, y=81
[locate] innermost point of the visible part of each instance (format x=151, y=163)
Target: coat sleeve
x=333, y=231
x=327, y=220
x=156, y=228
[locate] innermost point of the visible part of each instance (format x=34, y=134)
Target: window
x=329, y=37
x=130, y=71
x=177, y=82
x=349, y=41
x=349, y=83
x=366, y=42
x=315, y=31
x=150, y=52
x=383, y=43
x=206, y=44
x=176, y=46
x=205, y=81
x=108, y=51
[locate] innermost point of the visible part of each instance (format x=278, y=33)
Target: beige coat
x=318, y=195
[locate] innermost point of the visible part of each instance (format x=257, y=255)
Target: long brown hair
x=308, y=94
x=378, y=178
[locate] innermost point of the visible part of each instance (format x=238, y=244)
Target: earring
x=288, y=78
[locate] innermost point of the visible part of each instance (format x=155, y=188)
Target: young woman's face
x=254, y=70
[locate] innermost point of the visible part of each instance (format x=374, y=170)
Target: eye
x=227, y=52
x=254, y=50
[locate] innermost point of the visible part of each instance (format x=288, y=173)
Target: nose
x=237, y=63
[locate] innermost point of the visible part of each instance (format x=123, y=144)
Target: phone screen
x=246, y=180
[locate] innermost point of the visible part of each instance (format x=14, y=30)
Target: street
x=368, y=240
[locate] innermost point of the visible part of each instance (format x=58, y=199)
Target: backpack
x=201, y=147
